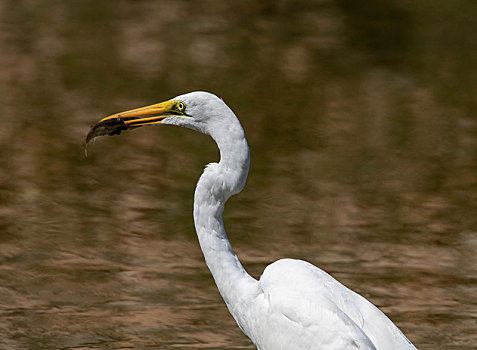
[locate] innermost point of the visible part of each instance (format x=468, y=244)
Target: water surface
x=363, y=134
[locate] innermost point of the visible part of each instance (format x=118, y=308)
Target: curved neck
x=218, y=182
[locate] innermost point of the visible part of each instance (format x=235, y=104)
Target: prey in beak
x=153, y=114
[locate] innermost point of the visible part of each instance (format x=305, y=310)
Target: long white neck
x=218, y=182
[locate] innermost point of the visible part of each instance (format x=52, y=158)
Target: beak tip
x=116, y=123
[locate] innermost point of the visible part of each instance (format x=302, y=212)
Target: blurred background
x=361, y=120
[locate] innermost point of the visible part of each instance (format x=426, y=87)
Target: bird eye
x=181, y=106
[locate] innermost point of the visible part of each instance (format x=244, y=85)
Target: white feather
x=294, y=305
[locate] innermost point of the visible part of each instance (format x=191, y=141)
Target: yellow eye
x=181, y=106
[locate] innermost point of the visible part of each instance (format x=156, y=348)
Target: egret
x=294, y=305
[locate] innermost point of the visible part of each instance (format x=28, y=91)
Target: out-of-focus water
x=362, y=126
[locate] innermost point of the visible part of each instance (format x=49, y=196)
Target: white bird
x=294, y=305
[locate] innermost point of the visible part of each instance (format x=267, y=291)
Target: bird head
x=201, y=111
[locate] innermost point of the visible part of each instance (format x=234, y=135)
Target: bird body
x=294, y=305
x=320, y=312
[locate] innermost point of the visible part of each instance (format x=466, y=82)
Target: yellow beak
x=114, y=124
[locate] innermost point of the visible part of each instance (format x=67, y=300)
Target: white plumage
x=294, y=305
